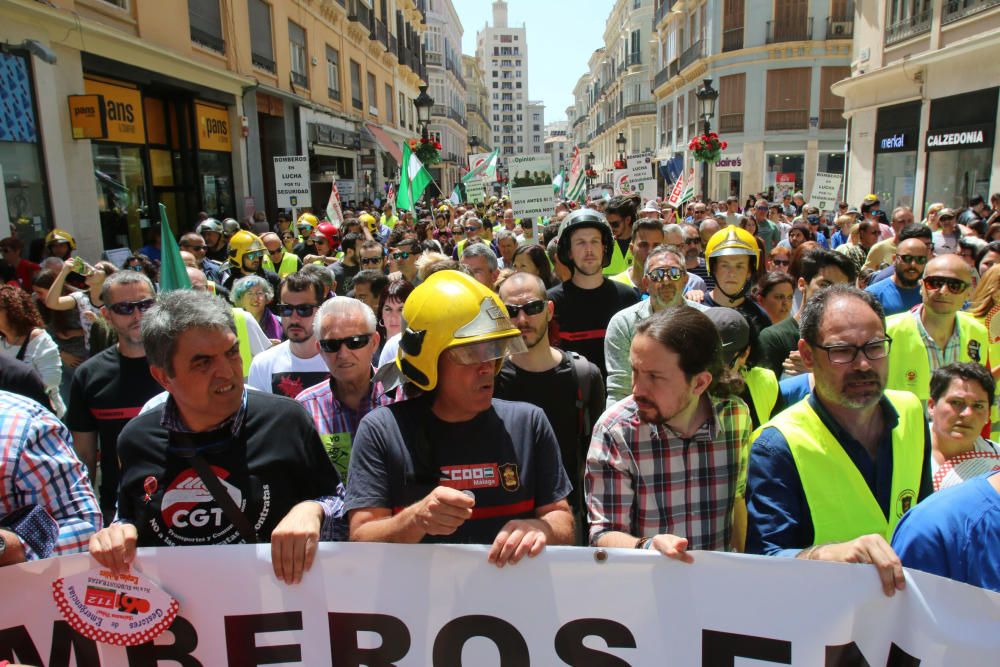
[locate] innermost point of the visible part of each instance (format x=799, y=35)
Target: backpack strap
x=581, y=373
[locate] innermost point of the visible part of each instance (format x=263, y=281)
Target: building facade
x=446, y=85
x=773, y=70
x=922, y=103
x=477, y=105
x=557, y=144
x=502, y=52
x=186, y=103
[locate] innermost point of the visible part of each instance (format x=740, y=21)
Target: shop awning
x=386, y=142
x=333, y=151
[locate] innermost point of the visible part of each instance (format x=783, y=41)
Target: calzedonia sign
x=979, y=136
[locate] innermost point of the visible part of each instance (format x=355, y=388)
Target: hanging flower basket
x=707, y=147
x=619, y=164
x=426, y=150
x=590, y=173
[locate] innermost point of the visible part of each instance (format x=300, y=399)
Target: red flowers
x=707, y=147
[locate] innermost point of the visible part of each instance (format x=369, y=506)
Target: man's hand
x=793, y=364
x=395, y=276
x=695, y=295
x=872, y=549
x=13, y=552
x=443, y=510
x=517, y=539
x=114, y=546
x=672, y=546
x=294, y=541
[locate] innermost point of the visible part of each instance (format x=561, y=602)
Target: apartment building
x=477, y=106
x=502, y=52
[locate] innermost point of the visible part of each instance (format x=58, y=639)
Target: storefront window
x=953, y=177
x=895, y=174
x=24, y=186
x=831, y=163
x=121, y=194
x=784, y=173
x=216, y=172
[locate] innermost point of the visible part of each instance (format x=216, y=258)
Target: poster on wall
x=784, y=184
x=531, y=185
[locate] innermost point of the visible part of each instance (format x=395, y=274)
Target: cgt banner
x=417, y=605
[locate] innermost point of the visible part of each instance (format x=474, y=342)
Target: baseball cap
x=733, y=330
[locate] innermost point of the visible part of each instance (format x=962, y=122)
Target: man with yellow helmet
x=454, y=464
x=246, y=257
x=733, y=256
x=305, y=225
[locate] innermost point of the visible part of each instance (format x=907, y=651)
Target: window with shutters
x=680, y=117
x=332, y=73
x=298, y=54
x=732, y=98
x=791, y=21
x=831, y=106
x=206, y=24
x=388, y=104
x=668, y=124
x=788, y=99
x=372, y=95
x=261, y=48
x=692, y=114
x=356, y=86
x=732, y=25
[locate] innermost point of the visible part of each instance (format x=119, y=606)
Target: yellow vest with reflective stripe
x=840, y=503
x=763, y=386
x=619, y=262
x=909, y=368
x=244, y=339
x=993, y=359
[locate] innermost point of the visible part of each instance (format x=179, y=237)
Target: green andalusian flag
x=173, y=273
x=413, y=180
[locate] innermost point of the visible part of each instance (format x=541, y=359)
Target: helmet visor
x=489, y=350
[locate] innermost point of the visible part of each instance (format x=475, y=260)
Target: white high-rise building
x=534, y=127
x=502, y=52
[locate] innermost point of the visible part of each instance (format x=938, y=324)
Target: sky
x=562, y=34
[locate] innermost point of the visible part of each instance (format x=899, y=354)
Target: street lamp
x=424, y=102
x=588, y=169
x=473, y=142
x=706, y=100
x=621, y=141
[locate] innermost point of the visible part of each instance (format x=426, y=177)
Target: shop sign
x=214, y=128
x=976, y=136
x=122, y=110
x=87, y=117
x=730, y=162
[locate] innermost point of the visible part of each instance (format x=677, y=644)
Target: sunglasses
x=781, y=262
x=196, y=248
x=304, y=310
x=256, y=254
x=530, y=308
x=472, y=229
x=400, y=256
x=128, y=307
x=659, y=275
x=332, y=345
x=913, y=259
x=371, y=260
x=276, y=251
x=955, y=286
x=692, y=241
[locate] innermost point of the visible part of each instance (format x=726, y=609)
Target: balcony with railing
x=789, y=31
x=639, y=109
x=691, y=54
x=300, y=79
x=359, y=12
x=208, y=40
x=911, y=26
x=840, y=27
x=956, y=10
x=392, y=44
x=732, y=39
x=632, y=59
x=661, y=77
x=380, y=33
x=787, y=119
x=263, y=62
x=731, y=122
x=663, y=10
x=435, y=59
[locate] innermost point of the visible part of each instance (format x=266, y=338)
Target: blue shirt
x=838, y=238
x=794, y=389
x=955, y=534
x=778, y=518
x=895, y=299
x=883, y=274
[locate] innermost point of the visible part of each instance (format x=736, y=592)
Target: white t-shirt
x=43, y=354
x=278, y=371
x=389, y=350
x=258, y=339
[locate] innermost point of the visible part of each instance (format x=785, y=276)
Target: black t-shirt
x=233, y=274
x=106, y=392
x=277, y=462
x=754, y=314
x=507, y=456
x=556, y=392
x=21, y=378
x=345, y=276
x=582, y=316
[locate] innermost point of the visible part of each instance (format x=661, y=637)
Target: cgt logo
x=181, y=503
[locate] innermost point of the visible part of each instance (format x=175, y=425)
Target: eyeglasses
x=371, y=260
x=332, y=345
x=955, y=286
x=286, y=237
x=400, y=256
x=196, y=248
x=781, y=262
x=659, y=275
x=846, y=354
x=530, y=308
x=303, y=310
x=912, y=259
x=128, y=307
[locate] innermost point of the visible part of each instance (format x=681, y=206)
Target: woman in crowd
x=780, y=259
x=288, y=240
x=23, y=337
x=145, y=265
x=87, y=303
x=390, y=309
x=987, y=257
x=775, y=293
x=253, y=294
x=533, y=259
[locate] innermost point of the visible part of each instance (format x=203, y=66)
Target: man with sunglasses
x=278, y=259
x=193, y=243
x=288, y=368
x=621, y=214
x=246, y=258
x=901, y=292
x=347, y=342
x=646, y=235
x=403, y=253
x=831, y=476
x=767, y=230
x=664, y=279
x=372, y=256
x=111, y=387
x=936, y=333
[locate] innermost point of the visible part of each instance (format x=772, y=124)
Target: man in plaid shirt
x=663, y=470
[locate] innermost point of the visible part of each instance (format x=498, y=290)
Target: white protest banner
x=640, y=174
x=419, y=605
x=291, y=180
x=531, y=185
x=825, y=189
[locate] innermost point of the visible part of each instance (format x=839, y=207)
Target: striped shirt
x=937, y=356
x=644, y=479
x=39, y=467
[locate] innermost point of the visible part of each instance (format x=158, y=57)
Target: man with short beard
x=902, y=291
x=830, y=477
x=694, y=260
x=663, y=279
x=663, y=469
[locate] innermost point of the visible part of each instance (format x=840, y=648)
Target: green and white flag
x=413, y=180
x=557, y=182
x=483, y=169
x=577, y=185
